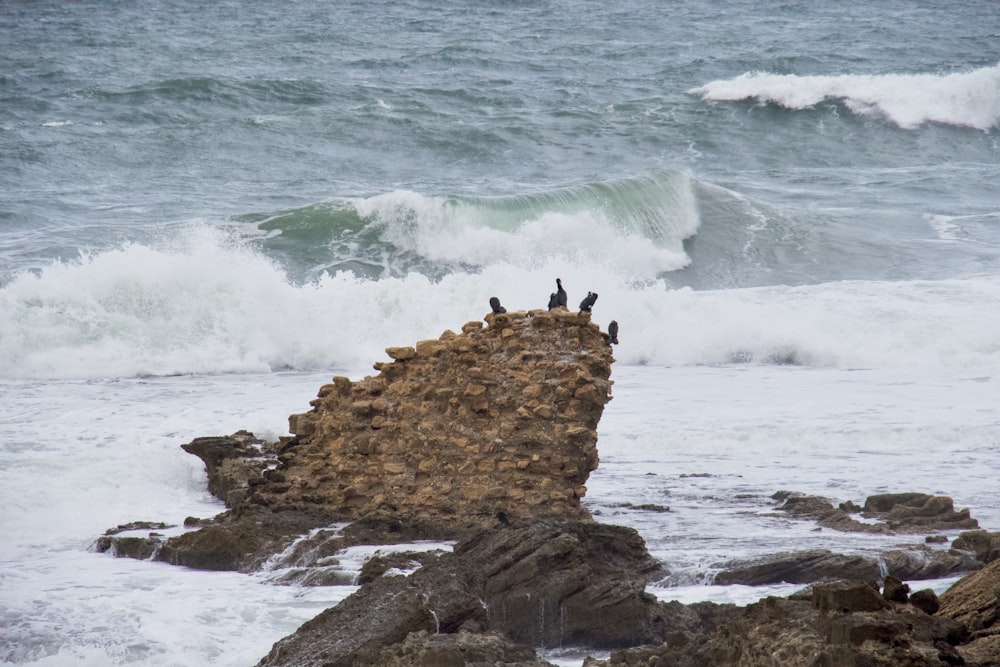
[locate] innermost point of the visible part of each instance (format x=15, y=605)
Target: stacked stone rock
x=497, y=423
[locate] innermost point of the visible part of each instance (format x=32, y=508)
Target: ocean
x=792, y=209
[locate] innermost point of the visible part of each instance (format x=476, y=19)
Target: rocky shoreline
x=482, y=442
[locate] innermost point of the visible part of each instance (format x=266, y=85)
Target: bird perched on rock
x=553, y=301
x=495, y=305
x=560, y=293
x=613, y=332
x=588, y=302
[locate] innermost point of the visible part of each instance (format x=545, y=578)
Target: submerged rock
x=886, y=513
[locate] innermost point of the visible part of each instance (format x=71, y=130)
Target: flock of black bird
x=558, y=300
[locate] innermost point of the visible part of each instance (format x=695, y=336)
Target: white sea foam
x=712, y=443
x=970, y=99
x=213, y=307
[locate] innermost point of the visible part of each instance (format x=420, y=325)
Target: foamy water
x=969, y=99
x=712, y=443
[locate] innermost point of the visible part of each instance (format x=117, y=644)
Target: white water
x=970, y=99
x=207, y=305
x=79, y=457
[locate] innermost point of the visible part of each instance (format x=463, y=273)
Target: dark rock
x=893, y=512
x=457, y=650
x=137, y=525
x=548, y=583
x=922, y=562
x=917, y=512
x=232, y=463
x=140, y=548
x=847, y=596
x=239, y=541
x=985, y=545
x=926, y=601
x=802, y=567
x=895, y=590
x=555, y=583
x=401, y=560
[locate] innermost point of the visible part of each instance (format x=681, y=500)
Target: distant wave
x=969, y=99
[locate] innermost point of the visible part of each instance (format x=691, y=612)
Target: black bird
x=495, y=305
x=588, y=302
x=560, y=293
x=613, y=332
x=553, y=301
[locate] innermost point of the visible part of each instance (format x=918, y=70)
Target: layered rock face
x=497, y=423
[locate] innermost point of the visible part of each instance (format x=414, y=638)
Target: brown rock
x=895, y=590
x=975, y=600
x=847, y=596
x=496, y=421
x=926, y=601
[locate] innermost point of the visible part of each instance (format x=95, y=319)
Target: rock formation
x=494, y=424
x=841, y=623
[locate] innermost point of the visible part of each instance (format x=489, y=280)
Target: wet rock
x=886, y=513
x=239, y=541
x=926, y=601
x=548, y=583
x=922, y=562
x=985, y=545
x=232, y=463
x=917, y=512
x=895, y=590
x=404, y=561
x=802, y=567
x=140, y=548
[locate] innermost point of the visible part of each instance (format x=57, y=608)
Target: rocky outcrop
x=886, y=513
x=232, y=463
x=802, y=567
x=546, y=583
x=841, y=623
x=805, y=567
x=495, y=424
x=975, y=602
x=471, y=430
x=985, y=546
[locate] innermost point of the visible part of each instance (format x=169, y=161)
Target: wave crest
x=969, y=99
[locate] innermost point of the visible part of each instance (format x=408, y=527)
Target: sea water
x=791, y=210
